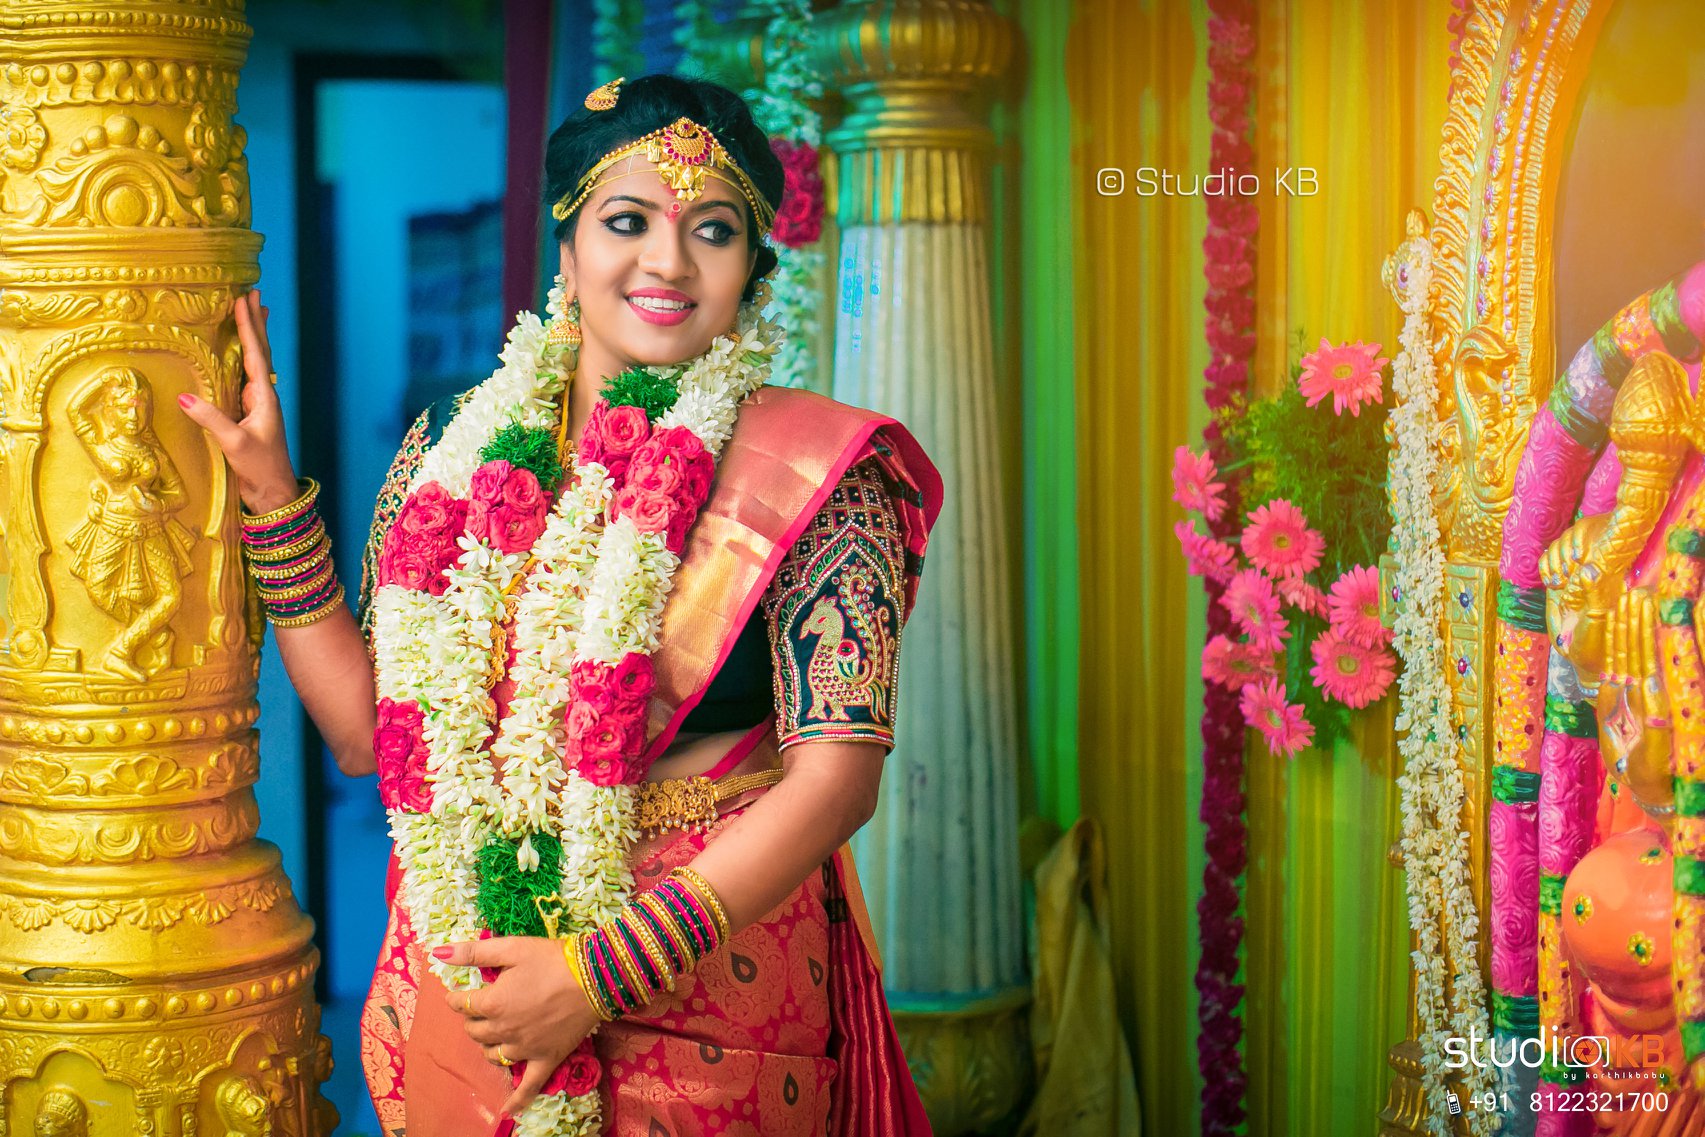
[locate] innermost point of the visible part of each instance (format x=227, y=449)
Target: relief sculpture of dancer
x=131, y=553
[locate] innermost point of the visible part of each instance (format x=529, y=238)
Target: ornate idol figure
x=1608, y=518
x=629, y=676
x=131, y=554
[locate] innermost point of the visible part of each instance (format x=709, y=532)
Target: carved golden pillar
x=155, y=972
x=912, y=339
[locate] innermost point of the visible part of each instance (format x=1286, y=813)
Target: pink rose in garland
x=399, y=747
x=508, y=508
x=667, y=484
x=575, y=1075
x=422, y=543
x=605, y=720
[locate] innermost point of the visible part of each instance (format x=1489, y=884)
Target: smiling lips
x=660, y=306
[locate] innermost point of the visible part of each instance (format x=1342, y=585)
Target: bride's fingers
x=257, y=356
x=216, y=422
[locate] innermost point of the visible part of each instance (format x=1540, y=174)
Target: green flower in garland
x=642, y=388
x=508, y=894
x=528, y=448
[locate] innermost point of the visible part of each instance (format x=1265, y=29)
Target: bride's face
x=657, y=278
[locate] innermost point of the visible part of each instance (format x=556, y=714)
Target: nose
x=665, y=253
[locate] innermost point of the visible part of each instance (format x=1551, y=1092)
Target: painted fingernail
x=441, y=953
x=186, y=401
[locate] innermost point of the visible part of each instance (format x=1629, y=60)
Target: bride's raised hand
x=253, y=445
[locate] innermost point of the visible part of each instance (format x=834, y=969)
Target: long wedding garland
x=1450, y=998
x=1229, y=258
x=483, y=854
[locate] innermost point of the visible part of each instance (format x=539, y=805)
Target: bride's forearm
x=828, y=792
x=328, y=665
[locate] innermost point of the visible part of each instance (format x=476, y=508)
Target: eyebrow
x=697, y=207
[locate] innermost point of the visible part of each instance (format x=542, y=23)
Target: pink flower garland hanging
x=1229, y=264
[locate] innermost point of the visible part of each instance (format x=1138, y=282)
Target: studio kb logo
x=1595, y=1052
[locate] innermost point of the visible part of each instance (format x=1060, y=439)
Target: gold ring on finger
x=502, y=1060
x=467, y=1004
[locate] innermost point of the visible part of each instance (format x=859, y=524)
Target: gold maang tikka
x=686, y=154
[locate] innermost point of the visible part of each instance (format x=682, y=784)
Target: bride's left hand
x=535, y=1011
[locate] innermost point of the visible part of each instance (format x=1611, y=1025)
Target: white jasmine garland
x=597, y=592
x=1450, y=998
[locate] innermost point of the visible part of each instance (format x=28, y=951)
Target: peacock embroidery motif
x=842, y=671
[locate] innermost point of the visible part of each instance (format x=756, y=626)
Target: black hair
x=650, y=103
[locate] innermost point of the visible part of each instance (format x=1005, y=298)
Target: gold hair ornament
x=604, y=98
x=686, y=153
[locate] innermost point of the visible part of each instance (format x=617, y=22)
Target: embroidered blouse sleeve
x=391, y=497
x=834, y=614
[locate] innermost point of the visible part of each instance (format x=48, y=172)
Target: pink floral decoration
x=1204, y=556
x=1350, y=374
x=1297, y=592
x=1279, y=542
x=506, y=507
x=1353, y=607
x=611, y=436
x=1235, y=665
x=575, y=1075
x=1193, y=485
x=1254, y=605
x=605, y=719
x=799, y=221
x=422, y=543
x=1350, y=672
x=1280, y=722
x=399, y=747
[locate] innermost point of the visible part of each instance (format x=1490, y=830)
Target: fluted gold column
x=913, y=339
x=155, y=971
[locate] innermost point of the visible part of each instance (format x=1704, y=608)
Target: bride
x=627, y=671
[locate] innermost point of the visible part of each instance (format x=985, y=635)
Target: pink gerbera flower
x=1353, y=607
x=1281, y=723
x=1349, y=672
x=1298, y=593
x=1193, y=485
x=1250, y=599
x=1350, y=374
x=1278, y=541
x=1235, y=665
x=1204, y=556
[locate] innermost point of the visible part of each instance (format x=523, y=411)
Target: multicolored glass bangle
x=289, y=557
x=623, y=965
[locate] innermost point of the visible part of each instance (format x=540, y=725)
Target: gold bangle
x=309, y=493
x=273, y=557
x=628, y=963
x=696, y=881
x=266, y=573
x=573, y=949
x=297, y=591
x=314, y=617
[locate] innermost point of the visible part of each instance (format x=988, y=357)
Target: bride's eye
x=721, y=232
x=610, y=223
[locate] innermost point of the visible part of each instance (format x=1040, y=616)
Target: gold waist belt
x=691, y=803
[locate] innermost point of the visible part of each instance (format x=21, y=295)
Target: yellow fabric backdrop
x=1356, y=90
